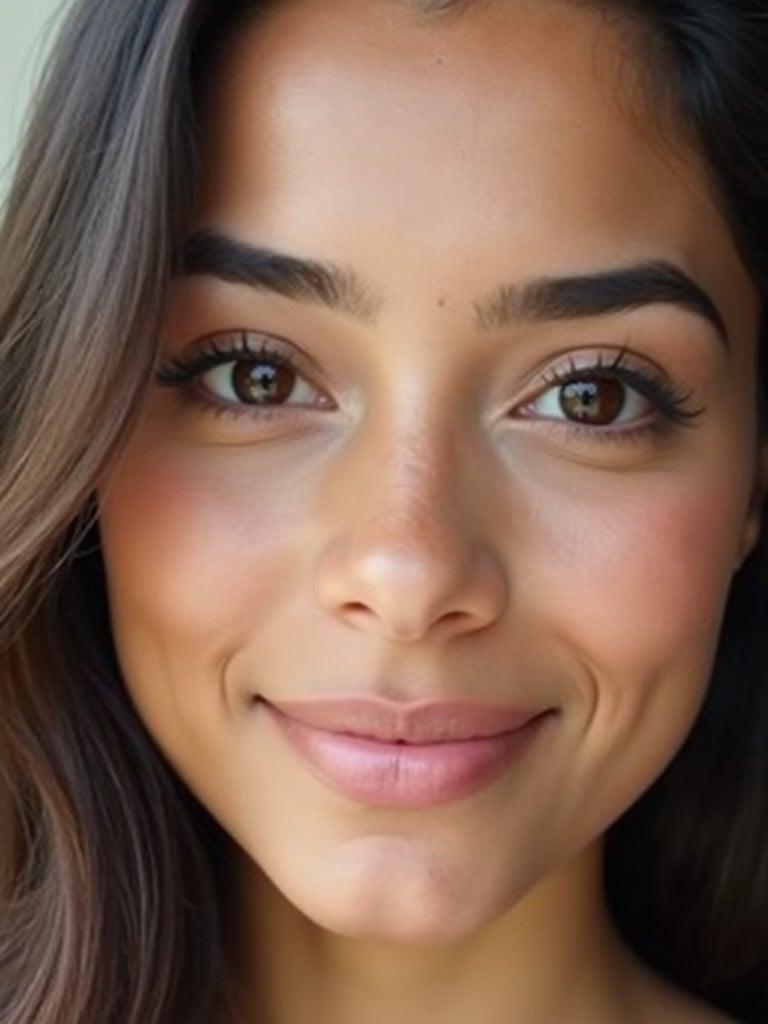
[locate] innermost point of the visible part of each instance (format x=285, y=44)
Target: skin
x=424, y=522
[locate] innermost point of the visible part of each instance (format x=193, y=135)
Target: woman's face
x=483, y=451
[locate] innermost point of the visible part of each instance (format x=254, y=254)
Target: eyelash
x=181, y=373
x=671, y=404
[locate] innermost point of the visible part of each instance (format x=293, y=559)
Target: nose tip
x=404, y=592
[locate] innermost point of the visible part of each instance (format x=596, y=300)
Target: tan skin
x=418, y=516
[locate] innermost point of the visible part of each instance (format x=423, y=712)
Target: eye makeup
x=265, y=372
x=605, y=395
x=595, y=395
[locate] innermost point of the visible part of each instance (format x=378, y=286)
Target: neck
x=553, y=956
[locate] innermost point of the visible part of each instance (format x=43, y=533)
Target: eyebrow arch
x=611, y=291
x=564, y=298
x=339, y=289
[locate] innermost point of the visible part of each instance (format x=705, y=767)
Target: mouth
x=421, y=754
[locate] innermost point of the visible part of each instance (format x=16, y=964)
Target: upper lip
x=413, y=722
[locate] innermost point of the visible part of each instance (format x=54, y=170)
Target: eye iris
x=262, y=383
x=597, y=401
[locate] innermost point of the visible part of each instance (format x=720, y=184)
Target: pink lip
x=421, y=754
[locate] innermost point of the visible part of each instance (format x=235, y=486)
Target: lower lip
x=404, y=775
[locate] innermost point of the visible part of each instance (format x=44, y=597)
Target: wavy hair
x=110, y=873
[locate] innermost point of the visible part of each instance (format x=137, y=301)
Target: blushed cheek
x=651, y=578
x=196, y=558
x=649, y=569
x=632, y=582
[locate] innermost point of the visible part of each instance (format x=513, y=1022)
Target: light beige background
x=25, y=26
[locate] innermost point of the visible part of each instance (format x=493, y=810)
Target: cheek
x=639, y=564
x=198, y=557
x=653, y=571
x=643, y=579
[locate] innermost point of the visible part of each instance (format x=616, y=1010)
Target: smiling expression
x=448, y=407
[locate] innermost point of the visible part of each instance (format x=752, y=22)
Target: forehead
x=516, y=121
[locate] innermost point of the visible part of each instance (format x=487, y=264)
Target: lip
x=421, y=754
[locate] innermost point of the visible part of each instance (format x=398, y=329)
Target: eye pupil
x=596, y=401
x=262, y=383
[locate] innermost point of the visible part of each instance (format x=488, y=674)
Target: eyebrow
x=612, y=291
x=339, y=289
x=558, y=298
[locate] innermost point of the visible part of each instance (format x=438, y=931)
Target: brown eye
x=262, y=382
x=596, y=401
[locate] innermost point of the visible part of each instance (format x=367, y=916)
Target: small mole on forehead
x=441, y=302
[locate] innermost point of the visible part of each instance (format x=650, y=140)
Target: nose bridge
x=407, y=553
x=412, y=495
x=411, y=490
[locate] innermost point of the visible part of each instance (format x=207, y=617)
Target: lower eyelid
x=250, y=417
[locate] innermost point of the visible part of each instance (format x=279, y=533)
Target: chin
x=421, y=902
x=406, y=926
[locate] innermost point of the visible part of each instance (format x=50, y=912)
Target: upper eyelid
x=600, y=357
x=620, y=363
x=211, y=339
x=608, y=360
x=229, y=344
x=620, y=371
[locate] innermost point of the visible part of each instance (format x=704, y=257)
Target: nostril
x=398, y=624
x=357, y=614
x=370, y=588
x=355, y=608
x=451, y=617
x=390, y=621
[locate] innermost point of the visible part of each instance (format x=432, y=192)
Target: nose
x=411, y=560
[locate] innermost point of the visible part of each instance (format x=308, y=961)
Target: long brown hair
x=109, y=909
x=110, y=906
